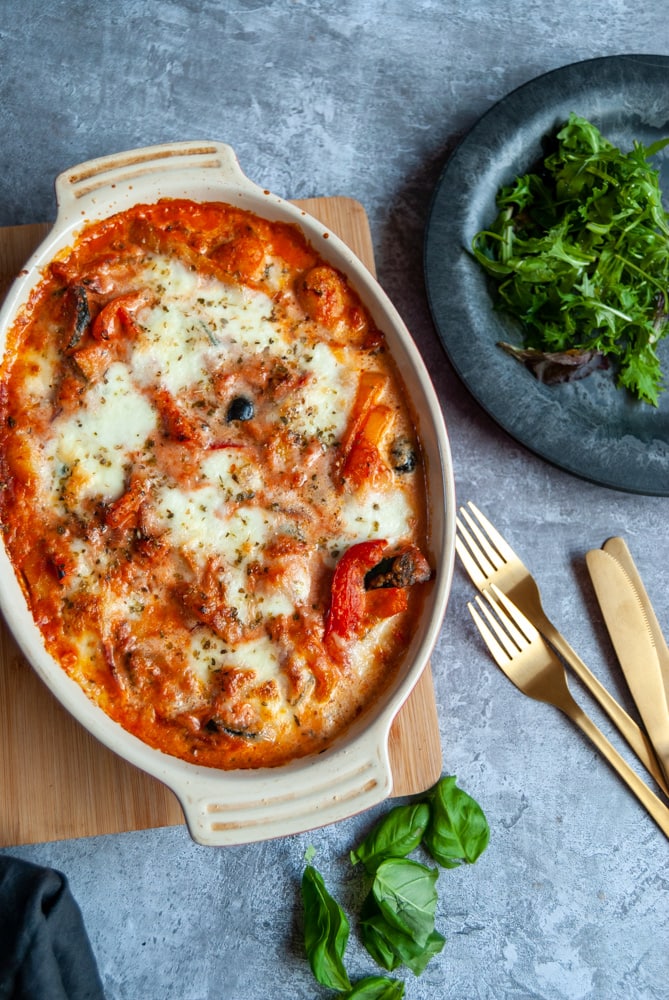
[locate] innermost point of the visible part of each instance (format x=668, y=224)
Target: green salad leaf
x=579, y=256
x=326, y=931
x=458, y=830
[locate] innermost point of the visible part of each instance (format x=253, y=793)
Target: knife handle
x=635, y=736
x=650, y=801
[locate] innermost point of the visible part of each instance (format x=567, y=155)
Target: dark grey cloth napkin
x=45, y=953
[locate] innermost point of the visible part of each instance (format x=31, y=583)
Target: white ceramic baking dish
x=223, y=807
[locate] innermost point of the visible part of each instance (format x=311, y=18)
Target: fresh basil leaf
x=326, y=931
x=458, y=830
x=416, y=959
x=396, y=835
x=377, y=937
x=406, y=895
x=391, y=948
x=376, y=988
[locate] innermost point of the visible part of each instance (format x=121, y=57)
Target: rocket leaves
x=579, y=255
x=397, y=921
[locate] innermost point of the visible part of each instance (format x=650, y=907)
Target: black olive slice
x=403, y=455
x=240, y=408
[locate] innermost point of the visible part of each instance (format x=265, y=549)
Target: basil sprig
x=397, y=922
x=406, y=895
x=326, y=931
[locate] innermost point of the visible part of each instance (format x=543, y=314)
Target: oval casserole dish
x=353, y=774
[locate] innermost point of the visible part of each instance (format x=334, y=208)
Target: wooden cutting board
x=57, y=781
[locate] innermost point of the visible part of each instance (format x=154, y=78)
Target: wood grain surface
x=56, y=780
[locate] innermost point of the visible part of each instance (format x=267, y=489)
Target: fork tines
x=479, y=545
x=512, y=630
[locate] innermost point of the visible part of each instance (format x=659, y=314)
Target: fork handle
x=648, y=799
x=628, y=728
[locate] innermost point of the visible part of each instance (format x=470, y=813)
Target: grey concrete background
x=366, y=98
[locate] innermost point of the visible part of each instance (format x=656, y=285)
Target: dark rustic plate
x=589, y=428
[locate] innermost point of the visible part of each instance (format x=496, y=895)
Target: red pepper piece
x=364, y=463
x=348, y=597
x=370, y=390
x=385, y=602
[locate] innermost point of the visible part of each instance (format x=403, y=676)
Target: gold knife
x=618, y=548
x=632, y=639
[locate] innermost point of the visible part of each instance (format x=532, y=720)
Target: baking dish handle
x=121, y=170
x=280, y=803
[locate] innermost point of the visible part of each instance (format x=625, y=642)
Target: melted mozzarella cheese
x=231, y=471
x=194, y=323
x=38, y=373
x=214, y=567
x=208, y=654
x=90, y=449
x=371, y=514
x=321, y=409
x=192, y=520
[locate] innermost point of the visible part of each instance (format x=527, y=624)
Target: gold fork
x=489, y=559
x=530, y=664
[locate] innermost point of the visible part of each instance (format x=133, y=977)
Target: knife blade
x=632, y=640
x=618, y=548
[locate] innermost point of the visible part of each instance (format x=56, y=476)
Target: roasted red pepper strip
x=363, y=462
x=348, y=598
x=370, y=390
x=385, y=602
